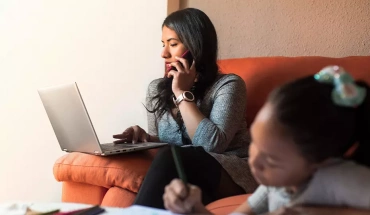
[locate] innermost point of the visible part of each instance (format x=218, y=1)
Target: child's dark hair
x=319, y=127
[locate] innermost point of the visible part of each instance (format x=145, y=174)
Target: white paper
x=136, y=209
x=20, y=209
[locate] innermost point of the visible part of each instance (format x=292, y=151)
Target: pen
x=179, y=166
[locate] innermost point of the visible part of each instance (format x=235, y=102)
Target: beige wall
x=172, y=5
x=289, y=27
x=110, y=48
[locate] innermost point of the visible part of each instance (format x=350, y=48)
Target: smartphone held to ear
x=187, y=55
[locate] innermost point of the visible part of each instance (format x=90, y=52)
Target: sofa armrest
x=126, y=171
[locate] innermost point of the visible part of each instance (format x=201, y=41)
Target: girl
x=301, y=140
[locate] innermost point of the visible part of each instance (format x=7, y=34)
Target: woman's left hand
x=184, y=77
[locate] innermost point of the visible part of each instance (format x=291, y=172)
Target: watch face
x=189, y=96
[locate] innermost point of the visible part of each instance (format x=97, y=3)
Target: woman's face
x=274, y=158
x=172, y=46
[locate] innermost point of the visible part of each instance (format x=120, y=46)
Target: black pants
x=201, y=169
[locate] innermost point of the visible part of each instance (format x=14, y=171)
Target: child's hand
x=178, y=199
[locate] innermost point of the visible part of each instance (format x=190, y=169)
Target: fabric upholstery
x=118, y=197
x=82, y=193
x=226, y=205
x=126, y=170
x=263, y=74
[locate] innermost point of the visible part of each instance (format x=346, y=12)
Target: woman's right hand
x=184, y=77
x=132, y=134
x=178, y=199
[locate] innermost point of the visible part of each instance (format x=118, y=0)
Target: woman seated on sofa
x=208, y=117
x=298, y=152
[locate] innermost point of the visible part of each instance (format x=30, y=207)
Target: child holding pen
x=298, y=152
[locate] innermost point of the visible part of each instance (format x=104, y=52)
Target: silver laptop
x=72, y=125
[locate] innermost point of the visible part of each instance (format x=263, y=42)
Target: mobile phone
x=188, y=56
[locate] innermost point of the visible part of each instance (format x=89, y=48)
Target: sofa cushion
x=263, y=74
x=118, y=197
x=227, y=205
x=82, y=193
x=126, y=171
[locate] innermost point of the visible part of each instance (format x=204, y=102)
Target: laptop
x=72, y=125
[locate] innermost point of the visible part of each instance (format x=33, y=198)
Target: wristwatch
x=187, y=96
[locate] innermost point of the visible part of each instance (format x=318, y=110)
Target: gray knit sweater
x=222, y=133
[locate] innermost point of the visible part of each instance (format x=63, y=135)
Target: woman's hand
x=184, y=77
x=178, y=199
x=132, y=134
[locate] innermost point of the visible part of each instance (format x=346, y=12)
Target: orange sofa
x=115, y=180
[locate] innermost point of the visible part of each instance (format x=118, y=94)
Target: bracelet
x=148, y=138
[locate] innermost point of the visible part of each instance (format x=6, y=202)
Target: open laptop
x=73, y=127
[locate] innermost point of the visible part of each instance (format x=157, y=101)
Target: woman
x=198, y=108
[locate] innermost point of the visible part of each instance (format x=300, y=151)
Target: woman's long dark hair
x=196, y=31
x=320, y=128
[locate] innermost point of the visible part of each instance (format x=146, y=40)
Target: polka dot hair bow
x=346, y=92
